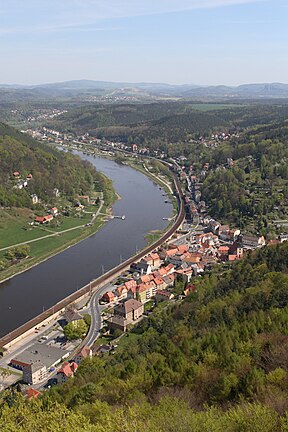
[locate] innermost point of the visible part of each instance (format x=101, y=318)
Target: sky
x=204, y=42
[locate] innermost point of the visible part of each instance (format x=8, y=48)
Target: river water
x=28, y=294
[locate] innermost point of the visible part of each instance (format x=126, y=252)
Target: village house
x=84, y=198
x=126, y=313
x=164, y=295
x=153, y=260
x=145, y=291
x=66, y=371
x=184, y=274
x=108, y=297
x=252, y=242
x=283, y=237
x=189, y=289
x=85, y=352
x=54, y=211
x=169, y=280
x=121, y=292
x=32, y=393
x=141, y=267
x=43, y=219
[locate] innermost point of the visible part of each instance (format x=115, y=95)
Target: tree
x=75, y=329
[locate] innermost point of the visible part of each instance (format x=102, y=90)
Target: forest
x=169, y=123
x=255, y=189
x=214, y=362
x=49, y=168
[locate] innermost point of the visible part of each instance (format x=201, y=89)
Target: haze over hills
x=145, y=90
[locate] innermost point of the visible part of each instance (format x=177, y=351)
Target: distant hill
x=143, y=90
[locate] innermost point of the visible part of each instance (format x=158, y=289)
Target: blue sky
x=203, y=42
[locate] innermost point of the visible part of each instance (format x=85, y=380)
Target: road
x=96, y=320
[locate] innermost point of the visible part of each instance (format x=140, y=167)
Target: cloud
x=41, y=16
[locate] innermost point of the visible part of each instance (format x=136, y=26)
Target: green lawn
x=46, y=247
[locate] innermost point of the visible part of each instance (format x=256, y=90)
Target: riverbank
x=142, y=202
x=68, y=239
x=58, y=240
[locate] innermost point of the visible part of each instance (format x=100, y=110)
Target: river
x=29, y=293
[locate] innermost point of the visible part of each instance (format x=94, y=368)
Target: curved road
x=96, y=321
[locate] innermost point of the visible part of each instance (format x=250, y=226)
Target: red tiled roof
x=171, y=252
x=130, y=284
x=146, y=278
x=32, y=393
x=158, y=281
x=48, y=217
x=84, y=352
x=155, y=256
x=68, y=369
x=39, y=219
x=223, y=249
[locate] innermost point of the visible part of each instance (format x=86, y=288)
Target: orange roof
x=171, y=252
x=109, y=295
x=155, y=256
x=130, y=284
x=31, y=393
x=141, y=288
x=146, y=278
x=68, y=369
x=121, y=289
x=183, y=248
x=84, y=352
x=232, y=257
x=158, y=281
x=48, y=217
x=223, y=249
x=39, y=219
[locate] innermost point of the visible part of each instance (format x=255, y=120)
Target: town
x=168, y=274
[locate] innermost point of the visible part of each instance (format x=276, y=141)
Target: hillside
x=40, y=190
x=49, y=168
x=254, y=191
x=81, y=88
x=164, y=123
x=215, y=362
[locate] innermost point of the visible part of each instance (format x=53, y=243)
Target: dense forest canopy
x=50, y=169
x=256, y=186
x=215, y=362
x=167, y=122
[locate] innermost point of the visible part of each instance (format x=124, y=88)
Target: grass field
x=12, y=232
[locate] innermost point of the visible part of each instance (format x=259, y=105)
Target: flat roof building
x=36, y=361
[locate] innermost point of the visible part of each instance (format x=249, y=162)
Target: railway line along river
x=29, y=293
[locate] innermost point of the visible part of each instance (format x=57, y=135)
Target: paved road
x=96, y=321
